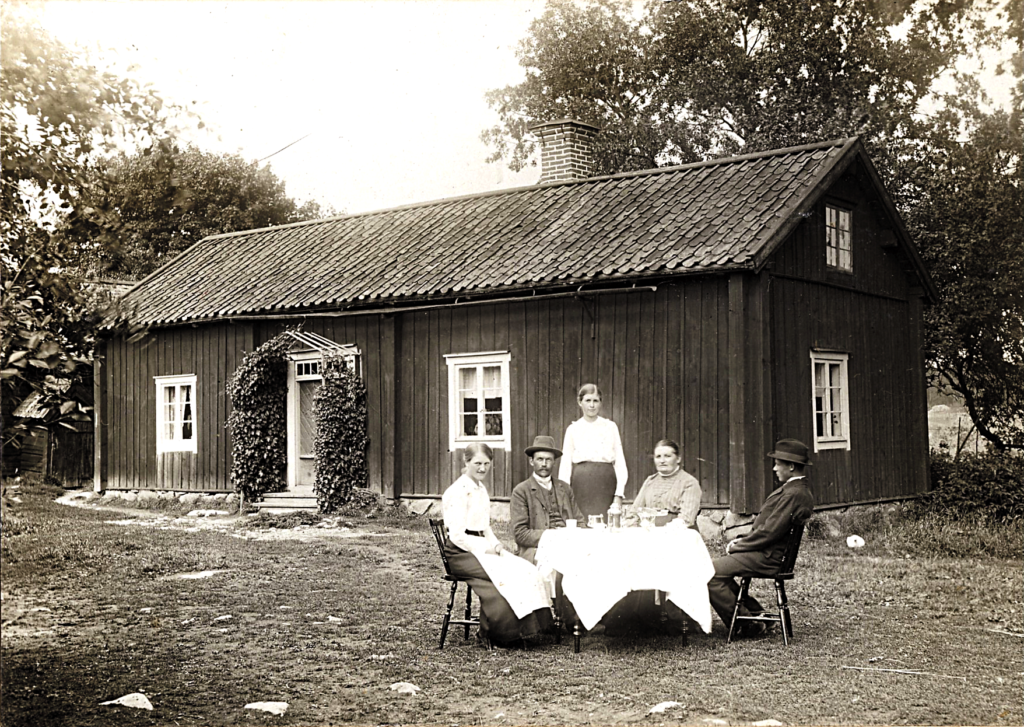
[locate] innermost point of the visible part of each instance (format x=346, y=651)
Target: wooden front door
x=303, y=381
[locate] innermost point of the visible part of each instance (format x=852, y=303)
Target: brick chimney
x=566, y=150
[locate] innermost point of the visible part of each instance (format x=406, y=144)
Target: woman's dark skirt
x=593, y=485
x=498, y=622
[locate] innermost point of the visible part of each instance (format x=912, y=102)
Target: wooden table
x=599, y=567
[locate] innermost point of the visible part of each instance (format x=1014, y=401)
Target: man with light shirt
x=541, y=502
x=760, y=552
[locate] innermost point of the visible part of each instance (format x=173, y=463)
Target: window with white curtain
x=830, y=400
x=175, y=413
x=478, y=399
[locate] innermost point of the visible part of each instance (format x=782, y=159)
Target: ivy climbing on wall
x=259, y=420
x=341, y=439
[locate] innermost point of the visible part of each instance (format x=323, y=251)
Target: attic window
x=839, y=238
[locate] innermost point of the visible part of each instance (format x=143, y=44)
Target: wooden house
x=723, y=304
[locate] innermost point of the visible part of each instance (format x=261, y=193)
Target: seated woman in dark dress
x=514, y=600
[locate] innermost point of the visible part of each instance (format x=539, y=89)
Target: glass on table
x=595, y=521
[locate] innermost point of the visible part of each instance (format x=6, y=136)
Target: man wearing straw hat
x=541, y=502
x=760, y=552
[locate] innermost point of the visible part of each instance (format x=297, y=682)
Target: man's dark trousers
x=723, y=590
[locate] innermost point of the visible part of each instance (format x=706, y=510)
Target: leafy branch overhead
x=57, y=111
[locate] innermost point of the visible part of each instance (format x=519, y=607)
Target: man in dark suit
x=760, y=552
x=541, y=502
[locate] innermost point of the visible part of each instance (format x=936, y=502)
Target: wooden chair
x=441, y=535
x=785, y=574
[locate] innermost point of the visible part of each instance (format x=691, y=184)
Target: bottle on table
x=615, y=516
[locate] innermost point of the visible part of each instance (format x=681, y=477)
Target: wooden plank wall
x=873, y=315
x=660, y=359
x=71, y=453
x=885, y=456
x=211, y=352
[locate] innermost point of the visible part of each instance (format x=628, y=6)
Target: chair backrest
x=440, y=535
x=796, y=534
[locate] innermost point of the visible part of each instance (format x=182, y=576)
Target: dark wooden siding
x=211, y=352
x=877, y=268
x=874, y=315
x=885, y=459
x=660, y=358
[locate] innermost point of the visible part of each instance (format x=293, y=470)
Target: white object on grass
x=658, y=708
x=855, y=541
x=136, y=700
x=768, y=723
x=272, y=707
x=404, y=688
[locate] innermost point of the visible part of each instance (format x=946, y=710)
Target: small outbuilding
x=723, y=304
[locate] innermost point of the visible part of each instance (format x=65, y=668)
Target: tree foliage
x=57, y=111
x=967, y=216
x=165, y=201
x=695, y=79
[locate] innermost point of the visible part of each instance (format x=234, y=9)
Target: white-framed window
x=839, y=238
x=478, y=399
x=175, y=413
x=830, y=400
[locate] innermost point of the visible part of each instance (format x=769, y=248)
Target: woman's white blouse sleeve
x=565, y=465
x=621, y=473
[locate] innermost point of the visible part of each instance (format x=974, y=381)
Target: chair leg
x=557, y=622
x=741, y=596
x=783, y=603
x=469, y=607
x=576, y=635
x=448, y=614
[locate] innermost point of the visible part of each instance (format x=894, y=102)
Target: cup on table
x=570, y=523
x=595, y=521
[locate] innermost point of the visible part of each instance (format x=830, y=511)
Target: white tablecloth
x=599, y=567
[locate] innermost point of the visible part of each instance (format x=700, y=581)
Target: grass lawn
x=326, y=619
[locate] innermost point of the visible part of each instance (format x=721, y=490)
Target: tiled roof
x=706, y=216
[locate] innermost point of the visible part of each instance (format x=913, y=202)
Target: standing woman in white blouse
x=514, y=600
x=592, y=461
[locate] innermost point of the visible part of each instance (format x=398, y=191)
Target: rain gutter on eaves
x=648, y=283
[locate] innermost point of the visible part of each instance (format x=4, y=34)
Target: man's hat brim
x=790, y=457
x=530, y=451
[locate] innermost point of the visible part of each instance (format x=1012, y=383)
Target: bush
x=258, y=421
x=341, y=439
x=990, y=484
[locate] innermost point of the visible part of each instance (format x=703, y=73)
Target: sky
x=386, y=96
x=381, y=101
